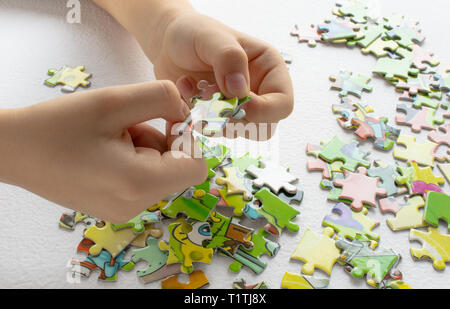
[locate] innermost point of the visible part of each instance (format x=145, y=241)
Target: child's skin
x=91, y=151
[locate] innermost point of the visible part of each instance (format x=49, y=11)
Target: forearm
x=147, y=20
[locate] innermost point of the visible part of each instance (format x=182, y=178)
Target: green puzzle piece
x=242, y=163
x=391, y=68
x=437, y=207
x=152, y=254
x=363, y=260
x=195, y=202
x=337, y=150
x=276, y=211
x=138, y=222
x=227, y=233
x=250, y=258
x=214, y=155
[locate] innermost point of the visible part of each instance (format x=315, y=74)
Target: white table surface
x=35, y=36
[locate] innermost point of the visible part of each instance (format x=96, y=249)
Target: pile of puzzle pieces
x=357, y=184
x=198, y=227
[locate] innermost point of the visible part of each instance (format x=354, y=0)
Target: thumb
x=230, y=62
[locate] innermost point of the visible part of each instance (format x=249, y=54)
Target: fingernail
x=236, y=84
x=185, y=87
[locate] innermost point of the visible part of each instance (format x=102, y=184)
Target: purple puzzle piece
x=420, y=187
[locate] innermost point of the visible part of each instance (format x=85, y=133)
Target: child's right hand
x=91, y=151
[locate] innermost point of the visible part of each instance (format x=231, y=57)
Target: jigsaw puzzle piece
x=70, y=220
x=387, y=174
x=419, y=100
x=196, y=203
x=186, y=244
x=394, y=68
x=311, y=35
x=150, y=231
x=419, y=180
x=273, y=176
x=407, y=214
x=250, y=257
x=363, y=260
x=370, y=34
x=152, y=254
x=406, y=36
x=197, y=280
x=348, y=83
x=437, y=207
x=335, y=30
x=422, y=83
x=337, y=150
x=360, y=189
x=418, y=119
x=227, y=233
x=303, y=282
x=138, y=223
x=380, y=47
x=277, y=213
x=71, y=78
x=357, y=11
x=418, y=56
x=441, y=135
x=317, y=251
x=348, y=223
x=235, y=182
x=422, y=153
x=107, y=265
x=435, y=246
x=235, y=201
x=105, y=237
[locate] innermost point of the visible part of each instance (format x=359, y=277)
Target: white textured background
x=35, y=36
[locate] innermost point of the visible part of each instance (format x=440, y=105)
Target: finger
x=272, y=97
x=229, y=61
x=132, y=104
x=187, y=87
x=144, y=135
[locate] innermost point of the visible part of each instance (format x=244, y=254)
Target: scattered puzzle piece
x=359, y=188
x=364, y=260
x=71, y=78
x=334, y=30
x=235, y=182
x=387, y=174
x=419, y=100
x=70, y=220
x=441, y=138
x=307, y=34
x=303, y=282
x=197, y=280
x=422, y=83
x=105, y=237
x=359, y=12
x=273, y=176
x=407, y=214
x=250, y=257
x=406, y=36
x=418, y=56
x=317, y=251
x=422, y=153
x=227, y=233
x=348, y=223
x=138, y=222
x=437, y=207
x=418, y=119
x=153, y=255
x=380, y=47
x=418, y=180
x=348, y=83
x=436, y=246
x=337, y=150
x=392, y=68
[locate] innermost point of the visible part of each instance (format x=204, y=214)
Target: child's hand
x=181, y=42
x=91, y=151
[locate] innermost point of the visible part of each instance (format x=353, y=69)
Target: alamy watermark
x=74, y=14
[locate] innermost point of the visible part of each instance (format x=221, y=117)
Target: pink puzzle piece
x=441, y=138
x=360, y=189
x=319, y=165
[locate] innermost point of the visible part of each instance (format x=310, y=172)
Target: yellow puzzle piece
x=317, y=250
x=408, y=215
x=109, y=239
x=71, y=78
x=302, y=282
x=436, y=246
x=234, y=181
